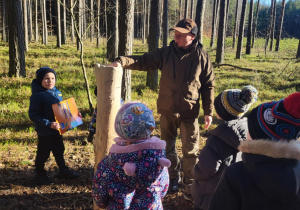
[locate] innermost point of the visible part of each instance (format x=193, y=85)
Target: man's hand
x=115, y=64
x=55, y=125
x=207, y=121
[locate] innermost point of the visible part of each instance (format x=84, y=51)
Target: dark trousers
x=189, y=132
x=46, y=144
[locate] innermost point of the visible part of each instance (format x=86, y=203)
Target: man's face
x=49, y=81
x=183, y=40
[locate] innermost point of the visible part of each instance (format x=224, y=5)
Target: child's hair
x=134, y=121
x=234, y=103
x=276, y=120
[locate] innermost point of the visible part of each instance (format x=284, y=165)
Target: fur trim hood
x=273, y=167
x=274, y=149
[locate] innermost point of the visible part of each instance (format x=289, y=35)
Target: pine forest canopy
x=290, y=28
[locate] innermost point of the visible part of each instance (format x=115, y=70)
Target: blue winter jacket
x=40, y=109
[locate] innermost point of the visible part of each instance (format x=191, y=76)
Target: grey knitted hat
x=234, y=103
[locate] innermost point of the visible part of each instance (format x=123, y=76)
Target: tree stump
x=109, y=82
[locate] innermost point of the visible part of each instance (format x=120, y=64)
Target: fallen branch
x=284, y=68
x=74, y=202
x=293, y=72
x=44, y=197
x=238, y=67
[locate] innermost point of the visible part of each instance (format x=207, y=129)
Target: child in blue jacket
x=134, y=175
x=44, y=94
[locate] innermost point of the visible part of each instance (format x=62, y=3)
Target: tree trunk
x=64, y=26
x=144, y=21
x=84, y=23
x=92, y=27
x=227, y=11
x=249, y=35
x=273, y=26
x=200, y=19
x=36, y=22
x=279, y=29
x=126, y=39
x=98, y=24
x=58, y=26
x=44, y=22
x=148, y=18
x=112, y=30
x=108, y=104
x=79, y=35
x=221, y=33
x=105, y=19
x=4, y=38
x=186, y=9
x=79, y=31
x=192, y=10
x=30, y=20
x=236, y=24
x=298, y=52
x=270, y=27
x=25, y=22
x=180, y=9
x=255, y=24
x=152, y=75
x=50, y=20
x=241, y=30
x=165, y=24
x=214, y=23
x=16, y=39
x=72, y=21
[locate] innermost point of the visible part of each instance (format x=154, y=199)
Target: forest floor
x=19, y=191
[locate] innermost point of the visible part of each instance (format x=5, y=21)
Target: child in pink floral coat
x=134, y=175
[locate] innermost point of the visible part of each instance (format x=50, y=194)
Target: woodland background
x=71, y=36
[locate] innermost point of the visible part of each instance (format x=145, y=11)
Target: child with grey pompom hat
x=221, y=146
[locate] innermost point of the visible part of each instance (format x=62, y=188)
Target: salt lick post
x=109, y=82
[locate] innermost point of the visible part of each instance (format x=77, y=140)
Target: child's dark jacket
x=219, y=152
x=40, y=109
x=267, y=178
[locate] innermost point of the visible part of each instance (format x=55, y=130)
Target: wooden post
x=109, y=82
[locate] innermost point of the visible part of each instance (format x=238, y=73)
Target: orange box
x=67, y=115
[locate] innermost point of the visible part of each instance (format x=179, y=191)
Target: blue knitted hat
x=276, y=120
x=134, y=121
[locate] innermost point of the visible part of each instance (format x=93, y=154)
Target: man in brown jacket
x=186, y=73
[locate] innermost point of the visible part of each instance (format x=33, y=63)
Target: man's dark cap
x=186, y=26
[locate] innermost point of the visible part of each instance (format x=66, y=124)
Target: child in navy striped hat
x=269, y=175
x=221, y=150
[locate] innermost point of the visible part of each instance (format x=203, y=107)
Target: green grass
x=273, y=75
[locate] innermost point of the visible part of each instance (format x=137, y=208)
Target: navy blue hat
x=276, y=120
x=40, y=73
